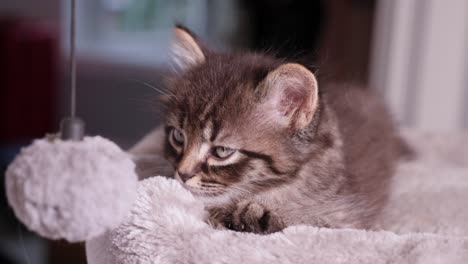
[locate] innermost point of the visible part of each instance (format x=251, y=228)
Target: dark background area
x=332, y=37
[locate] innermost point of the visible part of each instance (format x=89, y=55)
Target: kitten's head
x=232, y=120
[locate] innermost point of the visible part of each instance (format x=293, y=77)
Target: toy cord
x=72, y=128
x=72, y=60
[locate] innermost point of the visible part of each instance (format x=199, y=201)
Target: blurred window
x=137, y=31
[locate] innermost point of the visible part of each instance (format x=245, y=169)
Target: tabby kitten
x=255, y=139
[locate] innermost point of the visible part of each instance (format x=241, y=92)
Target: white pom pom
x=72, y=190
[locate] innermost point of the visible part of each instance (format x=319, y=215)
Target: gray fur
x=332, y=171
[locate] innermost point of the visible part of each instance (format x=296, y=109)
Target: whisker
x=167, y=93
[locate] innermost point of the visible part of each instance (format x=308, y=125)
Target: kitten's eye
x=177, y=136
x=223, y=152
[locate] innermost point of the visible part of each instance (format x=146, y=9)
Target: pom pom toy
x=71, y=187
x=73, y=190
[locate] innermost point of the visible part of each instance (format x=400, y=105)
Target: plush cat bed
x=426, y=221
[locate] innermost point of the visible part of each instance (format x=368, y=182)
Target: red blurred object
x=28, y=80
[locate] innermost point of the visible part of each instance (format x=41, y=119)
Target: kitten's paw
x=218, y=216
x=253, y=217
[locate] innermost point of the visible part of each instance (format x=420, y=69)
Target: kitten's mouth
x=200, y=188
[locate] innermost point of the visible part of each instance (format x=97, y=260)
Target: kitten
x=264, y=147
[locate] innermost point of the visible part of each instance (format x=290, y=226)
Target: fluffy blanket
x=426, y=221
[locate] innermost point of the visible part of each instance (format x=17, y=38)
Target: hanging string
x=72, y=128
x=72, y=60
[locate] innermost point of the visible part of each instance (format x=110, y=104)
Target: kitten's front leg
x=247, y=216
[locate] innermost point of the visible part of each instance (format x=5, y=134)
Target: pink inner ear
x=291, y=99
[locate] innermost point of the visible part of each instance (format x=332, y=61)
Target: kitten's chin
x=209, y=197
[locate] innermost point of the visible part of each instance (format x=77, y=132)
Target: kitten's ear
x=186, y=52
x=291, y=97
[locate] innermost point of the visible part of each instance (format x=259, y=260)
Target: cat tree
x=424, y=222
x=85, y=189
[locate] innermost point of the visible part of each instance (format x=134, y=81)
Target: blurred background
x=413, y=52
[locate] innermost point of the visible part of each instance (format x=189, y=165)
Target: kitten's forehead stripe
x=207, y=111
x=215, y=130
x=207, y=130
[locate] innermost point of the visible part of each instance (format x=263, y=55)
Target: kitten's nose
x=185, y=176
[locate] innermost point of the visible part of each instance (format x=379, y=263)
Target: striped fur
x=330, y=168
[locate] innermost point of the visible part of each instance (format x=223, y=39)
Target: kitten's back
x=371, y=142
